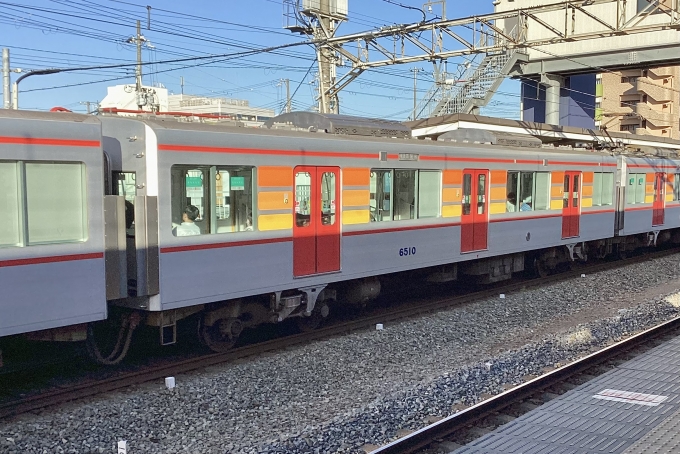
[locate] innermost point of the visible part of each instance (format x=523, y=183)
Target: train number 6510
x=407, y=251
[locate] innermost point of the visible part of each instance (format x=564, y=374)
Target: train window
x=222, y=196
x=574, y=191
x=328, y=198
x=55, y=202
x=640, y=187
x=380, y=203
x=635, y=188
x=511, y=191
x=541, y=194
x=405, y=183
x=10, y=229
x=467, y=193
x=303, y=194
x=603, y=188
x=526, y=187
x=429, y=193
x=676, y=187
x=528, y=191
x=481, y=193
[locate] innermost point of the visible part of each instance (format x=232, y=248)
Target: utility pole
x=287, y=95
x=138, y=39
x=88, y=103
x=415, y=72
x=138, y=71
x=6, y=95
x=181, y=83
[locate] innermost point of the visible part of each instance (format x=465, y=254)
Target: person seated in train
x=511, y=203
x=249, y=223
x=188, y=226
x=525, y=205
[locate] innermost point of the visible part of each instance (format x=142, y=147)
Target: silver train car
x=118, y=222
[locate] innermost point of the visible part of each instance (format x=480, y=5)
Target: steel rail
x=92, y=388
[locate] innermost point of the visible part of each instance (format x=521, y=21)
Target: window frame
x=209, y=223
x=519, y=187
x=22, y=205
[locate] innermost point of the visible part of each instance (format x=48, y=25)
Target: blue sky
x=76, y=33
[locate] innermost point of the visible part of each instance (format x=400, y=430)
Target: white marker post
x=122, y=447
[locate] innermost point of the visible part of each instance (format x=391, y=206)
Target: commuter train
x=292, y=223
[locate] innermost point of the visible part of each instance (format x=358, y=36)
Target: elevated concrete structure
x=614, y=21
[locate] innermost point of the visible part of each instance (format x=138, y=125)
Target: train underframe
x=218, y=325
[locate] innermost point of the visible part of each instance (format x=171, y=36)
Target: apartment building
x=640, y=101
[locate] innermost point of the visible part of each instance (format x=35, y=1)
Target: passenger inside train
x=511, y=203
x=188, y=226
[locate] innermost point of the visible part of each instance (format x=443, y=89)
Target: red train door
x=571, y=208
x=659, y=199
x=316, y=226
x=474, y=229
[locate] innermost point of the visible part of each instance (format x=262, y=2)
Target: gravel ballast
x=339, y=394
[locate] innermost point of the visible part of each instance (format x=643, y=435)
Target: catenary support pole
x=6, y=94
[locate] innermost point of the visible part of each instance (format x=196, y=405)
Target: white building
x=123, y=100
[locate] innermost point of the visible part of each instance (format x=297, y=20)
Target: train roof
x=162, y=124
x=48, y=116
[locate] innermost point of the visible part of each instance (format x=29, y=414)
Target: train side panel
x=52, y=267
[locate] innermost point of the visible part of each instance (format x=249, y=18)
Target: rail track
x=465, y=426
x=119, y=380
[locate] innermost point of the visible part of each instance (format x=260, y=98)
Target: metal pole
x=287, y=95
x=15, y=95
x=138, y=72
x=415, y=81
x=6, y=94
x=38, y=72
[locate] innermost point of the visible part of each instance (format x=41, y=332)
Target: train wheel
x=541, y=268
x=315, y=320
x=222, y=335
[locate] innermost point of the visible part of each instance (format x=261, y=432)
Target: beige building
x=640, y=101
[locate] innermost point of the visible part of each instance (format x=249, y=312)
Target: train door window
x=575, y=191
x=10, y=228
x=676, y=187
x=467, y=193
x=541, y=195
x=481, y=193
x=511, y=192
x=630, y=188
x=429, y=193
x=381, y=195
x=526, y=188
x=328, y=202
x=640, y=187
x=303, y=192
x=125, y=184
x=565, y=192
x=55, y=202
x=405, y=183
